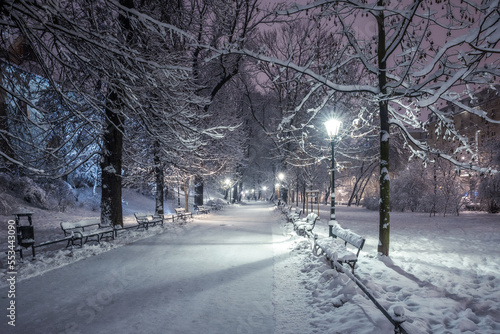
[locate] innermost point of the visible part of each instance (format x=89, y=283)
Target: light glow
x=333, y=127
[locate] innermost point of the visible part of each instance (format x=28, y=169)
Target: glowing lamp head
x=333, y=127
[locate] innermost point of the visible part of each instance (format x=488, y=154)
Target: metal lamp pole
x=332, y=128
x=332, y=196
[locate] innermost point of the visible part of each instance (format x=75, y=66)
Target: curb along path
x=214, y=276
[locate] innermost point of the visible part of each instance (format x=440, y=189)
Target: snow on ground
x=444, y=271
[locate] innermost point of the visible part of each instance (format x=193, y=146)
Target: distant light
x=281, y=176
x=228, y=181
x=333, y=127
x=265, y=188
x=277, y=185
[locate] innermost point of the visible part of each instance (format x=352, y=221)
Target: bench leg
x=87, y=239
x=352, y=265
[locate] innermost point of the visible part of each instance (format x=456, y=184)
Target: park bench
x=146, y=219
x=285, y=209
x=305, y=225
x=216, y=206
x=85, y=229
x=293, y=216
x=201, y=209
x=182, y=214
x=335, y=248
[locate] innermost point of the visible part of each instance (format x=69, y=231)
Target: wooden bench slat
x=349, y=236
x=146, y=219
x=293, y=216
x=77, y=231
x=331, y=246
x=202, y=209
x=306, y=224
x=335, y=248
x=182, y=214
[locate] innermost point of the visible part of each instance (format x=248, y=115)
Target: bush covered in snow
x=371, y=202
x=45, y=194
x=489, y=191
x=32, y=192
x=60, y=193
x=435, y=188
x=7, y=200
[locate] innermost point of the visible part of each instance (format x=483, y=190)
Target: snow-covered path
x=212, y=276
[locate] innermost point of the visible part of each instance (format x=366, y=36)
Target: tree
x=110, y=69
x=403, y=64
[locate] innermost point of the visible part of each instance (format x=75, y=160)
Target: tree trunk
x=235, y=192
x=304, y=197
x=327, y=194
x=355, y=188
x=186, y=194
x=297, y=193
x=111, y=166
x=362, y=191
x=159, y=176
x=5, y=147
x=384, y=208
x=198, y=190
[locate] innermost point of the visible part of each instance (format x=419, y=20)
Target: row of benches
x=336, y=252
x=334, y=247
x=92, y=230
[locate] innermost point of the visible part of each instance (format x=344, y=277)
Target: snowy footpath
x=210, y=276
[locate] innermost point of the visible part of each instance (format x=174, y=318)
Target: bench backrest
x=348, y=236
x=180, y=210
x=79, y=224
x=145, y=216
x=311, y=218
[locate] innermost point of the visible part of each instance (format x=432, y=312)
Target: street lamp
x=332, y=128
x=281, y=178
x=227, y=196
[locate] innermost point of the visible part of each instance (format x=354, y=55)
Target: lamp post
x=332, y=128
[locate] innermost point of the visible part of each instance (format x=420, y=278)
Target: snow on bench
x=335, y=248
x=305, y=225
x=146, y=219
x=216, y=205
x=182, y=214
x=201, y=209
x=293, y=216
x=85, y=229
